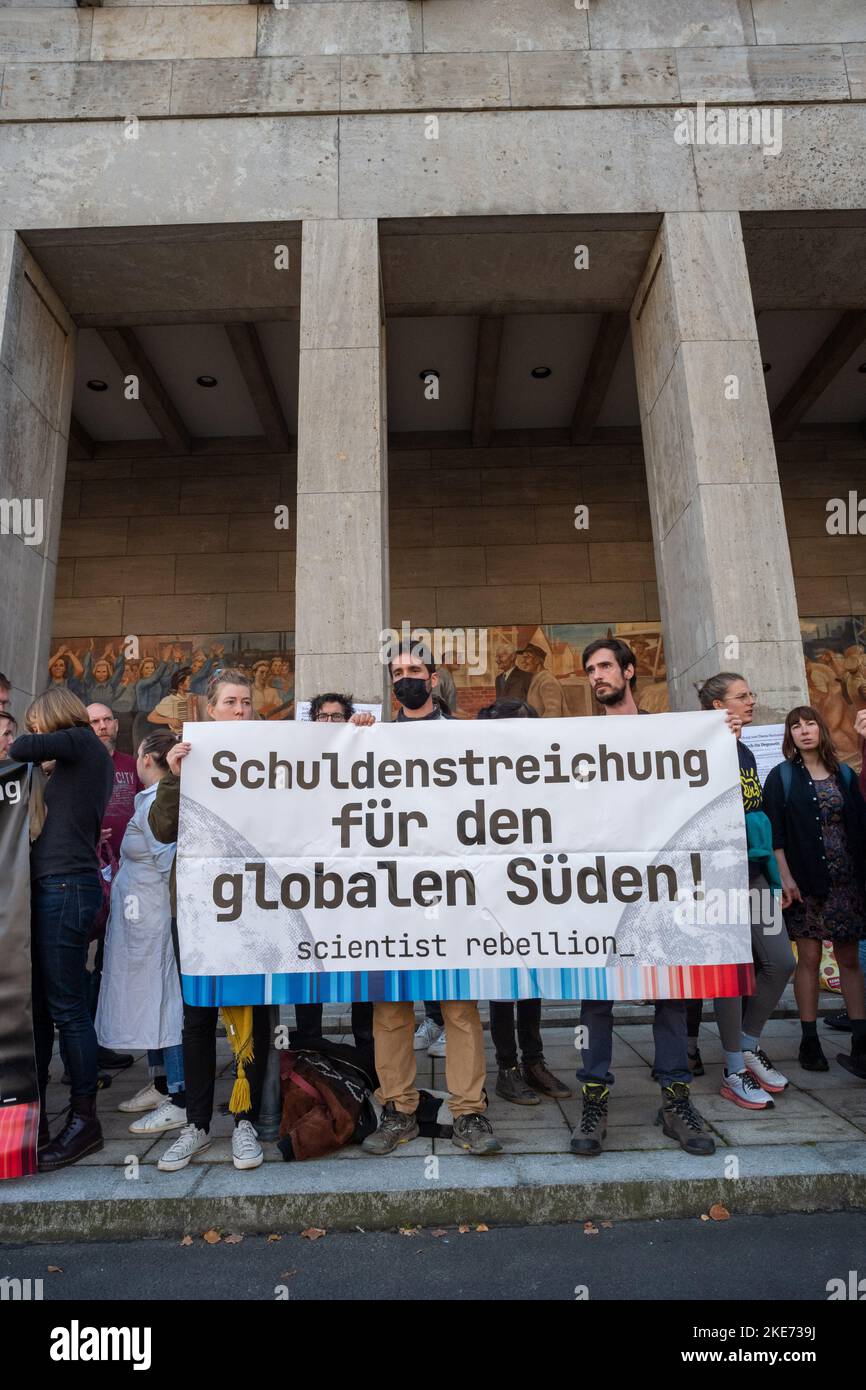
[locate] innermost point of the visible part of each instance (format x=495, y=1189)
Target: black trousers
x=308, y=1018
x=199, y=1056
x=528, y=1031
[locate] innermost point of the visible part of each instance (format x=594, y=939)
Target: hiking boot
x=81, y=1135
x=395, y=1128
x=188, y=1143
x=856, y=1060
x=696, y=1066
x=541, y=1078
x=811, y=1056
x=113, y=1061
x=681, y=1121
x=742, y=1088
x=510, y=1085
x=768, y=1077
x=586, y=1141
x=474, y=1133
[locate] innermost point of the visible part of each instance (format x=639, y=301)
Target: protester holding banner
x=140, y=1003
x=333, y=708
x=415, y=684
x=750, y=1079
x=818, y=817
x=611, y=667
x=229, y=698
x=524, y=1084
x=66, y=896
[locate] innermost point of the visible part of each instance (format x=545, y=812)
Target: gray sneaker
x=394, y=1129
x=475, y=1134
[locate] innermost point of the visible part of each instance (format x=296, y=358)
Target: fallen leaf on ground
x=54, y=1269
x=438, y=1232
x=482, y=1227
x=287, y=1273
x=607, y=1225
x=212, y=1237
x=408, y=1230
x=589, y=1229
x=313, y=1233
x=233, y=1240
x=187, y=1240
x=273, y=1238
x=704, y=1216
x=463, y=1230
x=719, y=1213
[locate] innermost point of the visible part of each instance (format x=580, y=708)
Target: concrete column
x=342, y=546
x=37, y=364
x=721, y=549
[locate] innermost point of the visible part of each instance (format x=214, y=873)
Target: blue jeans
x=669, y=1035
x=167, y=1062
x=63, y=910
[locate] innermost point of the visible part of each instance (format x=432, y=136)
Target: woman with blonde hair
x=66, y=896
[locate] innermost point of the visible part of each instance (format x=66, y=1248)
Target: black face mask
x=412, y=692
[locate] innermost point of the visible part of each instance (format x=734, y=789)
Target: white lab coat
x=140, y=1003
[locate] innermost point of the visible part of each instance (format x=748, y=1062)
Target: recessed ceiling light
x=768, y=367
x=540, y=373
x=206, y=381
x=94, y=384
x=428, y=371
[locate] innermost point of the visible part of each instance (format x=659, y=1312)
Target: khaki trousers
x=465, y=1068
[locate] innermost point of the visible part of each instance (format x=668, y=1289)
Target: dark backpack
x=327, y=1095
x=786, y=772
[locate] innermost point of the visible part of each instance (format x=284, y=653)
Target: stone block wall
x=477, y=538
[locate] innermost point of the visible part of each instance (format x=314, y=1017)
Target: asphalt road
x=779, y=1258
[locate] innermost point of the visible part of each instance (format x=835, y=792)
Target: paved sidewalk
x=808, y=1153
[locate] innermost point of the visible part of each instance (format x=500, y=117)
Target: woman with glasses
x=333, y=708
x=750, y=1080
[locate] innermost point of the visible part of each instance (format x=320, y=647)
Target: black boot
x=856, y=1060
x=80, y=1135
x=114, y=1061
x=812, y=1054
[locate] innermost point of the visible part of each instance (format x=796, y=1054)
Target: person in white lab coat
x=140, y=1001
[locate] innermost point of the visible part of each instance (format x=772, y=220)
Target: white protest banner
x=447, y=859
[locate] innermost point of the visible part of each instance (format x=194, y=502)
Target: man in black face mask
x=414, y=679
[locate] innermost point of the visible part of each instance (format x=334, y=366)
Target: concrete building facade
x=424, y=277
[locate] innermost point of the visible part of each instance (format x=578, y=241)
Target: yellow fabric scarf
x=238, y=1021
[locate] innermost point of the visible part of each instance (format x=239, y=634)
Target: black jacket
x=797, y=827
x=76, y=795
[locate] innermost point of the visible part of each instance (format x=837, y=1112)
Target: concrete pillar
x=37, y=364
x=721, y=549
x=342, y=548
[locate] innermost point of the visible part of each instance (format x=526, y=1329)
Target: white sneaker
x=762, y=1069
x=246, y=1149
x=437, y=1048
x=166, y=1116
x=742, y=1088
x=426, y=1033
x=148, y=1098
x=189, y=1142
